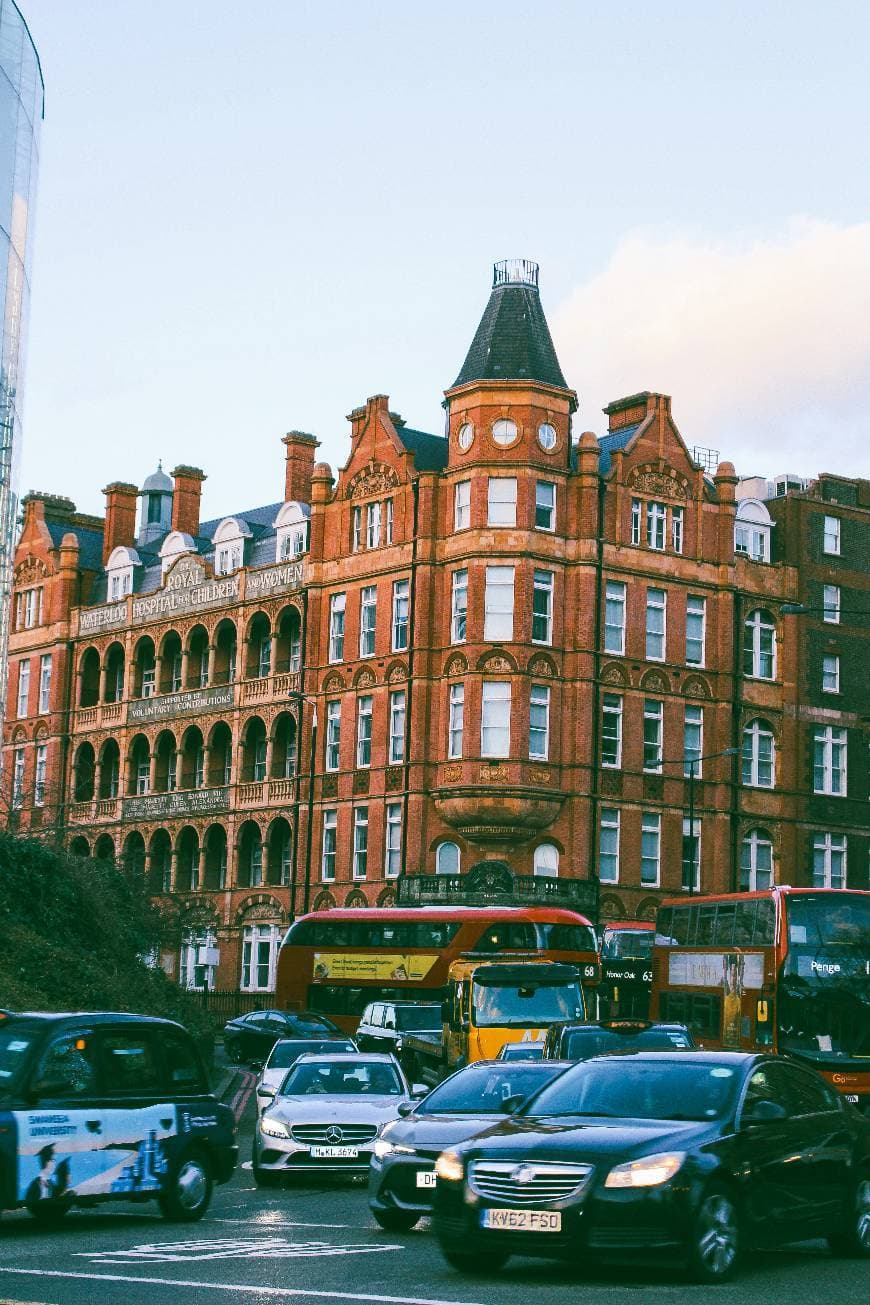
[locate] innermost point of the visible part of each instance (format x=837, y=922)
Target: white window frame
x=364, y=715
x=693, y=829
x=192, y=975
x=831, y=536
x=18, y=767
x=328, y=846
x=545, y=489
x=332, y=759
x=356, y=529
x=373, y=525
x=693, y=739
x=397, y=727
x=656, y=624
x=498, y=604
x=501, y=501
x=393, y=841
x=368, y=620
x=651, y=825
x=611, y=710
x=614, y=603
x=456, y=721
x=40, y=771
x=255, y=937
x=543, y=584
x=830, y=849
x=696, y=629
x=337, y=609
x=656, y=526
x=388, y=519
x=462, y=505
x=442, y=851
x=831, y=604
x=360, y=842
x=762, y=628
x=545, y=861
x=401, y=613
x=758, y=755
x=755, y=877
x=653, y=711
x=495, y=718
x=539, y=722
x=830, y=760
x=22, y=697
x=677, y=530
x=459, y=606
x=636, y=520
x=830, y=673
x=609, y=823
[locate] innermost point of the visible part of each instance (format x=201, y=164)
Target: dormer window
x=372, y=524
x=229, y=545
x=175, y=546
x=119, y=573
x=292, y=531
x=752, y=529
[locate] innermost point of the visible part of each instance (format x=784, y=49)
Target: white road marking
x=252, y=1290
x=228, y=1248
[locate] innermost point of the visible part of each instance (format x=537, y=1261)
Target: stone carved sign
x=187, y=588
x=376, y=478
x=666, y=483
x=162, y=806
x=93, y=619
x=271, y=579
x=180, y=704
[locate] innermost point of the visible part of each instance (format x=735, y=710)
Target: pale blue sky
x=252, y=216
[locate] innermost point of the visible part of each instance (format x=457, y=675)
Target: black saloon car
x=583, y=1039
x=693, y=1155
x=252, y=1037
x=402, y=1173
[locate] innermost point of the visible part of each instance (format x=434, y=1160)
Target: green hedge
x=74, y=933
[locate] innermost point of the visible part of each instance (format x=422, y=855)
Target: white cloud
x=764, y=347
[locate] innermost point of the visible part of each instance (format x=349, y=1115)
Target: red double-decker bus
x=626, y=969
x=338, y=961
x=782, y=969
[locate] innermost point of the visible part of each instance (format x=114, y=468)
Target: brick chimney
x=300, y=465
x=185, y=501
x=120, y=527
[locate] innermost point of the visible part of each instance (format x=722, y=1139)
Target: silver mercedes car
x=327, y=1114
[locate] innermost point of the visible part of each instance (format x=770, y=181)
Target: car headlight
x=449, y=1166
x=651, y=1171
x=273, y=1127
x=384, y=1147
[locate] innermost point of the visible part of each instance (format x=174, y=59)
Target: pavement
x=318, y=1243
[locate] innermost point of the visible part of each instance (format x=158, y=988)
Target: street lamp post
x=689, y=840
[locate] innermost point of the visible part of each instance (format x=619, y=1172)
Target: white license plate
x=522, y=1220
x=334, y=1152
x=853, y=1097
x=426, y=1178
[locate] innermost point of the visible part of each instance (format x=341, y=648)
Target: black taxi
x=104, y=1107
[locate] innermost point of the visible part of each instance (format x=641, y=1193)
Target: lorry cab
x=495, y=1002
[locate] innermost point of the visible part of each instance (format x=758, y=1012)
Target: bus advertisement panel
x=786, y=969
x=338, y=961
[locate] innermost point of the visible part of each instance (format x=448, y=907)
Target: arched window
x=447, y=859
x=759, y=645
x=756, y=861
x=229, y=545
x=752, y=530
x=83, y=773
x=547, y=860
x=758, y=755
x=291, y=525
x=119, y=572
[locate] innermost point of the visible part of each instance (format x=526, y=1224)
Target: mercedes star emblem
x=334, y=1134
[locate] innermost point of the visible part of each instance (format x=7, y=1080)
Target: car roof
x=416, y=1005
x=679, y=1056
x=92, y=1016
x=500, y=1064
x=626, y=1025
x=314, y=1037
x=348, y=1057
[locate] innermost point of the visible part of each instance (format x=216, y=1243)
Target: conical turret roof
x=513, y=342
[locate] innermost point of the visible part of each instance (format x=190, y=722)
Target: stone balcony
x=499, y=802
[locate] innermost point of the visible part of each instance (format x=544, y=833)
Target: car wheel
x=264, y=1177
x=475, y=1263
x=48, y=1213
x=188, y=1189
x=234, y=1051
x=853, y=1238
x=396, y=1220
x=714, y=1247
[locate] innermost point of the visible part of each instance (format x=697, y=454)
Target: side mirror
x=406, y=1108
x=511, y=1105
x=256, y=1065
x=765, y=1112
x=266, y=1092
x=419, y=1090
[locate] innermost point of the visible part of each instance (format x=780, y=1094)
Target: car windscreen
x=583, y=1044
x=522, y=1051
x=359, y=1078
x=419, y=1017
x=287, y=1052
x=526, y=1005
x=16, y=1043
x=480, y=1089
x=665, y=1089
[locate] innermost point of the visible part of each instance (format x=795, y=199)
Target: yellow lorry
x=488, y=1004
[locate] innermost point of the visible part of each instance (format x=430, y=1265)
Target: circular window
x=465, y=435
x=547, y=436
x=504, y=431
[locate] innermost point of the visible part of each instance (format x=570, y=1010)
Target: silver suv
x=384, y=1023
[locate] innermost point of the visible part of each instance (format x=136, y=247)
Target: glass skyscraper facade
x=21, y=110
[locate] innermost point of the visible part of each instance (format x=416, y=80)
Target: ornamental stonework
x=456, y=666
x=659, y=483
x=31, y=570
x=376, y=478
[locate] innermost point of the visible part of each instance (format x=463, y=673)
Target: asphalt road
x=319, y=1243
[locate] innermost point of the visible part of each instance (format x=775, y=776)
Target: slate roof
x=608, y=444
x=513, y=340
x=430, y=451
x=90, y=542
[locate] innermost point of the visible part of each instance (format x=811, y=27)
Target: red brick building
x=504, y=644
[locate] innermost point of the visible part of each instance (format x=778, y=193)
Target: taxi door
x=138, y=1119
x=59, y=1136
